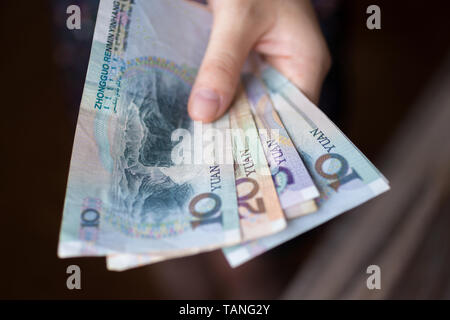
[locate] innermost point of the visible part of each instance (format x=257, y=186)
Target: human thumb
x=218, y=77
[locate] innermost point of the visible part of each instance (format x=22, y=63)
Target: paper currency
x=147, y=184
x=294, y=185
x=125, y=261
x=126, y=192
x=259, y=208
x=343, y=175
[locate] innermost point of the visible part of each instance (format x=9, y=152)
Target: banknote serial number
x=225, y=309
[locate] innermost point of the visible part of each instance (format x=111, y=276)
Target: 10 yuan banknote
x=125, y=192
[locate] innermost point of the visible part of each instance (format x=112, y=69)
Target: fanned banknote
x=147, y=184
x=126, y=261
x=343, y=175
x=294, y=185
x=259, y=208
x=135, y=183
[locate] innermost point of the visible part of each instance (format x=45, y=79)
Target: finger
x=297, y=48
x=307, y=74
x=229, y=44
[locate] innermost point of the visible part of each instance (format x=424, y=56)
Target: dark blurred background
x=388, y=90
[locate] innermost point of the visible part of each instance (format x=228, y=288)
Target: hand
x=285, y=32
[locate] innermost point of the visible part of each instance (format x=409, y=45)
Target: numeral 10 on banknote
x=340, y=176
x=210, y=216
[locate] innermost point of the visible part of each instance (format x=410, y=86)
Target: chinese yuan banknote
x=343, y=175
x=131, y=187
x=259, y=208
x=147, y=184
x=295, y=188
